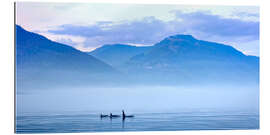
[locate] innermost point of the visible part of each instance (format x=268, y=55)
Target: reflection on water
x=123, y=123
x=141, y=122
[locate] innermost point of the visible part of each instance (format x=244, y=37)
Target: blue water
x=141, y=122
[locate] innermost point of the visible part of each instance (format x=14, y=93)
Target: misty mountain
x=45, y=62
x=182, y=58
x=176, y=60
x=117, y=54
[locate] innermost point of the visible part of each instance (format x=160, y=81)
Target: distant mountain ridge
x=41, y=60
x=175, y=60
x=187, y=47
x=183, y=57
x=117, y=54
x=31, y=44
x=180, y=58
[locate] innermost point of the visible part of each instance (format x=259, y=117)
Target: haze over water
x=155, y=109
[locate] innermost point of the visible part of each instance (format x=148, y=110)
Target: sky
x=87, y=26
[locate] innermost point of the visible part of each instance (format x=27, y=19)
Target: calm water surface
x=141, y=122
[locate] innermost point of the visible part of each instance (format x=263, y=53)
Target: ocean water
x=68, y=123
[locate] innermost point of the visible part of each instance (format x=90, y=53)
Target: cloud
x=246, y=14
x=144, y=32
x=217, y=25
x=150, y=30
x=77, y=42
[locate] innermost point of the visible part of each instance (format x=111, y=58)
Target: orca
x=102, y=115
x=114, y=116
x=126, y=116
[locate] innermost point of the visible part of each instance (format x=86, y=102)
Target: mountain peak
x=179, y=39
x=116, y=45
x=182, y=36
x=18, y=27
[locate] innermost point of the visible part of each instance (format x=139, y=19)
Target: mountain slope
x=42, y=61
x=182, y=58
x=117, y=54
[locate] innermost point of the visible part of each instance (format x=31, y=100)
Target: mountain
x=42, y=62
x=182, y=58
x=176, y=60
x=117, y=54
